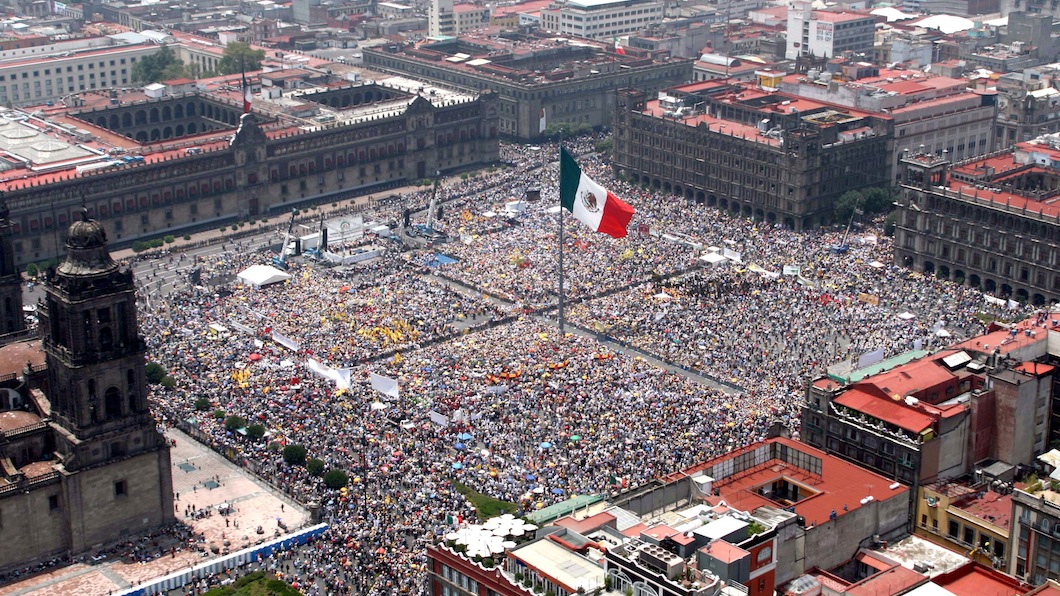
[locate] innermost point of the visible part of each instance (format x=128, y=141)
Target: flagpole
x=560, y=235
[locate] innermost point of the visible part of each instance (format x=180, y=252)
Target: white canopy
x=262, y=275
x=712, y=259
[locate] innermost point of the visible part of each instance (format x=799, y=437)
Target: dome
x=16, y=419
x=86, y=233
x=86, y=248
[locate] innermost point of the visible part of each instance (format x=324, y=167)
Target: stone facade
x=580, y=89
x=268, y=167
x=82, y=463
x=983, y=222
x=716, y=154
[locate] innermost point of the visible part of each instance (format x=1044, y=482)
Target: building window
x=53, y=503
x=953, y=530
x=969, y=535
x=121, y=488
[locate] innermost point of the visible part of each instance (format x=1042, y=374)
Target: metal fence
x=211, y=568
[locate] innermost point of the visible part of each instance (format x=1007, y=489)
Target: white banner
x=285, y=341
x=732, y=255
x=438, y=419
x=792, y=269
x=384, y=385
x=870, y=358
x=341, y=376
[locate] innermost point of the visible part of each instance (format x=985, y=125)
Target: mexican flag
x=591, y=204
x=248, y=97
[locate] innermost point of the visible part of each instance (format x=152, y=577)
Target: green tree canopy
x=294, y=454
x=255, y=431
x=877, y=200
x=239, y=56
x=234, y=422
x=315, y=466
x=844, y=206
x=336, y=479
x=155, y=373
x=160, y=66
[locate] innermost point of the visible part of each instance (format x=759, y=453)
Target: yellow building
x=971, y=520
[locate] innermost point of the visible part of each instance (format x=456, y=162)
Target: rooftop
x=975, y=579
x=993, y=508
x=16, y=419
x=834, y=482
x=725, y=552
x=559, y=564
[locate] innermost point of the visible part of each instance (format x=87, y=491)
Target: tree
x=32, y=270
x=239, y=57
x=155, y=373
x=168, y=382
x=846, y=203
x=202, y=404
x=234, y=422
x=294, y=454
x=890, y=223
x=877, y=200
x=336, y=479
x=255, y=431
x=160, y=66
x=315, y=466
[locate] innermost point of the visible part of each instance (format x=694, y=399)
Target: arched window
x=130, y=378
x=106, y=339
x=112, y=403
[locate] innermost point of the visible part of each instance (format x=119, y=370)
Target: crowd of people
x=489, y=394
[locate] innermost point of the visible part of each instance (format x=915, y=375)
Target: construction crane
x=427, y=231
x=843, y=246
x=285, y=250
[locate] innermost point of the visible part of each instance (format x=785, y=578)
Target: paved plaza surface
x=205, y=480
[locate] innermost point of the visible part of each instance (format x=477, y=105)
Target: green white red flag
x=590, y=203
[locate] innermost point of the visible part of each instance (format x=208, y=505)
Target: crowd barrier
x=213, y=567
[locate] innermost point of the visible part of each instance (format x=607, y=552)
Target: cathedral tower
x=116, y=462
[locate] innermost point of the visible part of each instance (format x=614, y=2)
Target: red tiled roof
x=1036, y=369
x=17, y=419
x=13, y=357
x=913, y=377
x=588, y=524
x=992, y=508
x=659, y=532
x=840, y=483
x=840, y=17
x=975, y=579
x=634, y=531
x=724, y=552
x=888, y=410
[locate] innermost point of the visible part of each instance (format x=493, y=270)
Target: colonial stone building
x=206, y=164
x=774, y=157
x=989, y=222
x=82, y=462
x=538, y=80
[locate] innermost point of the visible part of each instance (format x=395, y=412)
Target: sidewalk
x=261, y=225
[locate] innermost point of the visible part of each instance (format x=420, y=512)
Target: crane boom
x=433, y=204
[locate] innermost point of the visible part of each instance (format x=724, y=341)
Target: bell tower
x=12, y=321
x=95, y=355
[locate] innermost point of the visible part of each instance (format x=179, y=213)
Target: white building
x=38, y=79
x=601, y=19
x=826, y=34
x=441, y=20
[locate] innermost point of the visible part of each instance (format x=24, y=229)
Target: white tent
x=262, y=275
x=712, y=259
